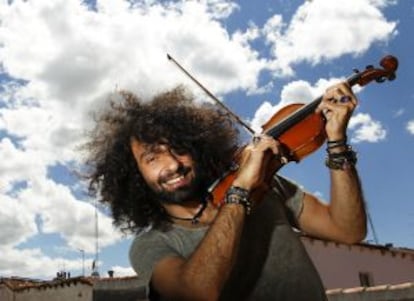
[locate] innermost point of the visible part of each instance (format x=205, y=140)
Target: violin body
x=303, y=138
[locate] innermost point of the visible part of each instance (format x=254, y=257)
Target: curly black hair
x=201, y=130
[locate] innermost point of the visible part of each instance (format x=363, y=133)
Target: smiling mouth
x=177, y=182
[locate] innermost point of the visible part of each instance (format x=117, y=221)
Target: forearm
x=347, y=208
x=208, y=268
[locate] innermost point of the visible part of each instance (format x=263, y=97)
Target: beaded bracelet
x=238, y=195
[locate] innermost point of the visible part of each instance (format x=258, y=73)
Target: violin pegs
x=392, y=77
x=355, y=70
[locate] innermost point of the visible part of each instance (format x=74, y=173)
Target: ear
x=136, y=149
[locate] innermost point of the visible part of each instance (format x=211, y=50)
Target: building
x=345, y=266
x=72, y=289
x=363, y=272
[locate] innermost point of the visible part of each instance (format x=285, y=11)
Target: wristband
x=343, y=160
x=238, y=195
x=336, y=143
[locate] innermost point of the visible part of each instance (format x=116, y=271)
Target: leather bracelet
x=336, y=143
x=343, y=160
x=238, y=195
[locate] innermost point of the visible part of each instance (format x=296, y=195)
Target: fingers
x=256, y=159
x=338, y=99
x=337, y=106
x=341, y=94
x=263, y=143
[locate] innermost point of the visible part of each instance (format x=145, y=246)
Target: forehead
x=140, y=148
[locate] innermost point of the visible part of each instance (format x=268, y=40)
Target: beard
x=196, y=189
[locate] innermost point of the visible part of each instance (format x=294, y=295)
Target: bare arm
x=203, y=275
x=344, y=219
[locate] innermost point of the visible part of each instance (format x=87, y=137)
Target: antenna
x=95, y=263
x=83, y=261
x=374, y=233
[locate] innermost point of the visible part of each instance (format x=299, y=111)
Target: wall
x=125, y=289
x=75, y=291
x=6, y=294
x=339, y=264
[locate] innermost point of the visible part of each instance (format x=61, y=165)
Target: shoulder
x=148, y=237
x=152, y=244
x=286, y=189
x=148, y=246
x=291, y=194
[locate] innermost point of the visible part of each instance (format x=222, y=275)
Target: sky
x=61, y=60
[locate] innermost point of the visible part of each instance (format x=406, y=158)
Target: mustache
x=180, y=171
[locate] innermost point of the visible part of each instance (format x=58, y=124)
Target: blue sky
x=61, y=60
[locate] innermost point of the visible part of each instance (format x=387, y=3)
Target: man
x=153, y=162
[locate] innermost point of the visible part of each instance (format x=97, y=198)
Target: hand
x=337, y=105
x=256, y=158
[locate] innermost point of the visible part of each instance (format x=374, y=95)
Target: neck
x=190, y=214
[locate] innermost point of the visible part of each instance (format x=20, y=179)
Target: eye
x=150, y=158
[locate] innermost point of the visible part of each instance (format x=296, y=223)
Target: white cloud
x=52, y=137
x=123, y=271
x=17, y=224
x=319, y=31
x=366, y=129
x=20, y=165
x=61, y=213
x=398, y=112
x=33, y=263
x=383, y=3
x=410, y=127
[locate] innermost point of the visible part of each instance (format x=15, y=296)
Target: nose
x=171, y=163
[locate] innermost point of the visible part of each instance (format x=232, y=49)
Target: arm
x=204, y=274
x=344, y=219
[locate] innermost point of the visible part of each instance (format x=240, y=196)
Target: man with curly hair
x=153, y=163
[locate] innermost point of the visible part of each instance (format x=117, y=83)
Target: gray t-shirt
x=272, y=263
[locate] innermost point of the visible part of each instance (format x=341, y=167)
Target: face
x=170, y=174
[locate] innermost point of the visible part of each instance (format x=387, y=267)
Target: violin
x=298, y=128
x=302, y=131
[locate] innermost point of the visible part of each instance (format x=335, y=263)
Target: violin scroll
x=389, y=64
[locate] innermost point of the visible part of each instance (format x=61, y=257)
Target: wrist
x=241, y=184
x=336, y=136
x=341, y=160
x=239, y=196
x=337, y=145
x=340, y=155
